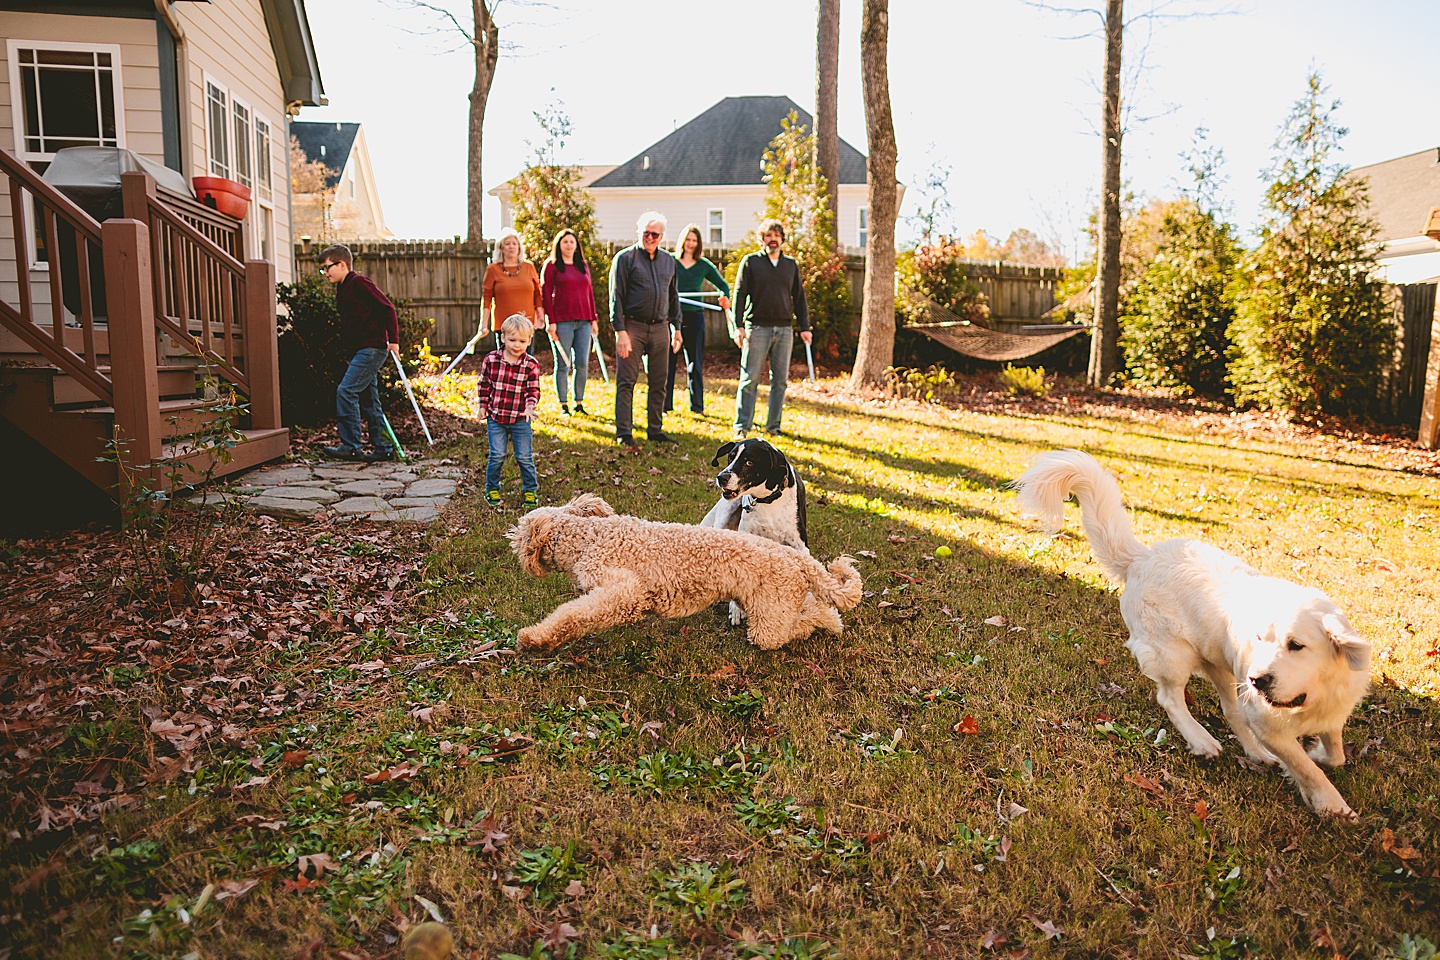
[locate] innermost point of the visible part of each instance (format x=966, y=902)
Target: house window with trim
x=217, y=110
x=715, y=220
x=241, y=149
x=240, y=113
x=63, y=95
x=264, y=193
x=863, y=221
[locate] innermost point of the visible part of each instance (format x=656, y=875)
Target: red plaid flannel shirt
x=506, y=389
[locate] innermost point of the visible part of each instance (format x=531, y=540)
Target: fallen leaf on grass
x=724, y=671
x=315, y=864
x=1400, y=847
x=1051, y=931
x=867, y=554
x=968, y=725
x=1202, y=810
x=557, y=934
x=235, y=888
x=997, y=621
x=404, y=770
x=1004, y=853
x=1145, y=783
x=1016, y=810
x=259, y=822
x=487, y=835
x=653, y=727
x=294, y=758
x=993, y=940
x=575, y=889
x=431, y=907
x=308, y=953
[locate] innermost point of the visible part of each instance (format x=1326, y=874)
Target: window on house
x=64, y=95
x=262, y=159
x=240, y=114
x=265, y=232
x=217, y=109
x=716, y=222
x=863, y=218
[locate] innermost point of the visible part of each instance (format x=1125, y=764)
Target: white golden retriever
x=1284, y=660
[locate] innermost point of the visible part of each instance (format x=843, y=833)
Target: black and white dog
x=760, y=493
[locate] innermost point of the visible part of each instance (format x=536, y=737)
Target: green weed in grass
x=703, y=889
x=632, y=946
x=548, y=870
x=787, y=948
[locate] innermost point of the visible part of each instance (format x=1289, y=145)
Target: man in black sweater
x=645, y=309
x=371, y=330
x=768, y=295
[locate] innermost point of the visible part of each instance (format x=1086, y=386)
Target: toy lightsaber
x=600, y=355
x=393, y=439
x=560, y=352
x=468, y=348
x=810, y=362
x=697, y=303
x=413, y=402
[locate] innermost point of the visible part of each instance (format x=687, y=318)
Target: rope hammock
x=962, y=336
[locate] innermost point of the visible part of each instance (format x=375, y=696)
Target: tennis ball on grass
x=429, y=941
x=942, y=552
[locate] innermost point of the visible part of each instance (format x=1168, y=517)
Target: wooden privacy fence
x=444, y=279
x=1403, y=389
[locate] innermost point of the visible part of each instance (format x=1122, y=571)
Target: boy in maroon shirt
x=371, y=331
x=509, y=393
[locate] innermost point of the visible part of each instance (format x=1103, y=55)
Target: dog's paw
x=1208, y=748
x=1316, y=750
x=1331, y=804
x=530, y=638
x=737, y=614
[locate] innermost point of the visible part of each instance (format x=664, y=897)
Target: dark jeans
x=692, y=330
x=652, y=341
x=520, y=436
x=359, y=393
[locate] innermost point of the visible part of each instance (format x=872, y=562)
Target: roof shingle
x=1402, y=191
x=330, y=143
x=723, y=145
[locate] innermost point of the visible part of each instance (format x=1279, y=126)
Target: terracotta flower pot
x=226, y=196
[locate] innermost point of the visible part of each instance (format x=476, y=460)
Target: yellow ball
x=942, y=552
x=429, y=941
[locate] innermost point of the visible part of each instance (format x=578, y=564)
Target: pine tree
x=1311, y=331
x=1175, y=330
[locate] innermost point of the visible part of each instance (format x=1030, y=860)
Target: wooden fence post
x=130, y=298
x=1429, y=436
x=262, y=350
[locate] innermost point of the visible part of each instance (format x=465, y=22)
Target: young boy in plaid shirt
x=509, y=392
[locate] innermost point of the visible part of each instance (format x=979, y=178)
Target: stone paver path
x=415, y=491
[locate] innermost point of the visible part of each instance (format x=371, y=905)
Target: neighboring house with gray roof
x=1402, y=193
x=708, y=172
x=349, y=206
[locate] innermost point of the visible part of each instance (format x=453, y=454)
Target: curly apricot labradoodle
x=625, y=567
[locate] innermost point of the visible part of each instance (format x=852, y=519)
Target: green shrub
x=1024, y=381
x=1174, y=331
x=932, y=383
x=937, y=273
x=1311, y=331
x=313, y=357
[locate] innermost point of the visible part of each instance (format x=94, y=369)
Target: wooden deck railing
x=62, y=224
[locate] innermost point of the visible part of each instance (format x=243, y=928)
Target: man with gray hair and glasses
x=645, y=311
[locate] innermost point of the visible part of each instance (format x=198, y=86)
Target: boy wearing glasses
x=371, y=330
x=645, y=310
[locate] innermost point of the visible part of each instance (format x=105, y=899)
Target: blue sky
x=991, y=88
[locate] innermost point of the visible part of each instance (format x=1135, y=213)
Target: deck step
x=259, y=446
x=178, y=418
x=176, y=382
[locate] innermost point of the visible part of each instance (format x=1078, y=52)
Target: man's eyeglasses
x=653, y=235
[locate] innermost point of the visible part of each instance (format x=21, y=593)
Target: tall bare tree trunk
x=877, y=321
x=827, y=76
x=486, y=41
x=1105, y=342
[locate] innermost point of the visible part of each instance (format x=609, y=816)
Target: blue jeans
x=522, y=438
x=574, y=339
x=692, y=332
x=359, y=393
x=763, y=343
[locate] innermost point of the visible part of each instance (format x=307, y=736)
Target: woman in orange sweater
x=511, y=286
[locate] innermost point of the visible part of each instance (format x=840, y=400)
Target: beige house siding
x=228, y=44
x=355, y=212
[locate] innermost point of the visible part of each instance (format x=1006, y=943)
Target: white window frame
x=261, y=195
x=710, y=226
x=17, y=114
x=239, y=144
x=862, y=227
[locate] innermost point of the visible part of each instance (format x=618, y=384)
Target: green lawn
x=977, y=765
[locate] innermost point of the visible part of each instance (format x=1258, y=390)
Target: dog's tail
x=838, y=585
x=1053, y=476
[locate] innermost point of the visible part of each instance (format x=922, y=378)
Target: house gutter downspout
x=182, y=77
x=292, y=109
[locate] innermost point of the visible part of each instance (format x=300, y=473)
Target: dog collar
x=772, y=497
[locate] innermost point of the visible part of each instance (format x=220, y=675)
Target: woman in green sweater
x=690, y=275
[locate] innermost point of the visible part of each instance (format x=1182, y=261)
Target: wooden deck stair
x=176, y=300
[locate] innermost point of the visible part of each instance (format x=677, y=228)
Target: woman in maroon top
x=569, y=300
